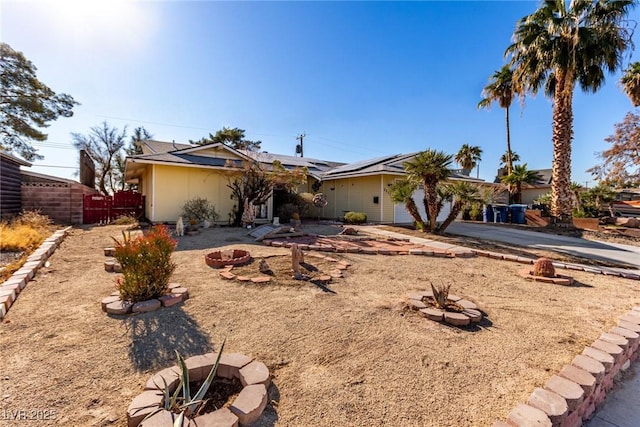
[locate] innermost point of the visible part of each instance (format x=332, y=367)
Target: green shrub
x=146, y=264
x=199, y=209
x=475, y=213
x=355, y=217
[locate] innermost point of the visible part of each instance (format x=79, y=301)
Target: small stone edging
x=428, y=251
x=470, y=314
x=220, y=259
x=11, y=288
x=571, y=397
x=113, y=304
x=568, y=266
x=558, y=279
x=245, y=409
x=341, y=266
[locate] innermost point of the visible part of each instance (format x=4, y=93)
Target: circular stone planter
x=558, y=279
x=469, y=311
x=220, y=259
x=114, y=305
x=245, y=409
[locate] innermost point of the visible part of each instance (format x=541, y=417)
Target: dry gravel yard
x=355, y=358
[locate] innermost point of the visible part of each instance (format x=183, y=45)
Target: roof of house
x=187, y=155
x=392, y=164
x=151, y=146
x=543, y=181
x=14, y=159
x=30, y=176
x=315, y=166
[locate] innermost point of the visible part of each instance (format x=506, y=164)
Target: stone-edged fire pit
x=466, y=312
x=114, y=305
x=220, y=259
x=245, y=409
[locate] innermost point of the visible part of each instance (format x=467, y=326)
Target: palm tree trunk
x=410, y=204
x=455, y=210
x=562, y=137
x=509, y=160
x=431, y=197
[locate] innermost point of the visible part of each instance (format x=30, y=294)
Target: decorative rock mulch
x=114, y=305
x=469, y=314
x=571, y=397
x=365, y=245
x=11, y=288
x=558, y=279
x=245, y=409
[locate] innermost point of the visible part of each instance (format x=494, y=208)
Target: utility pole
x=300, y=147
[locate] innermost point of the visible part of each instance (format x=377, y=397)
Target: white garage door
x=401, y=215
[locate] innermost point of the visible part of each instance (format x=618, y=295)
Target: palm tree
x=631, y=83
x=462, y=193
x=468, y=157
x=504, y=159
x=402, y=191
x=520, y=175
x=430, y=167
x=502, y=90
x=577, y=195
x=555, y=47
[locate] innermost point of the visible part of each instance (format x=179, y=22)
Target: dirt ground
x=356, y=357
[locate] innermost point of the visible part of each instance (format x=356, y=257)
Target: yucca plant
x=440, y=295
x=183, y=403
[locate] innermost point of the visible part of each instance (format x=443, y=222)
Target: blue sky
x=361, y=79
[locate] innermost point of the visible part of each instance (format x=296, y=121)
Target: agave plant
x=184, y=403
x=440, y=295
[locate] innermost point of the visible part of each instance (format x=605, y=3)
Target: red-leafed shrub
x=146, y=264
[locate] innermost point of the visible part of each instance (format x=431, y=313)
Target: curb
x=567, y=266
x=11, y=288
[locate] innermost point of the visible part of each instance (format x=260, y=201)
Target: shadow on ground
x=155, y=337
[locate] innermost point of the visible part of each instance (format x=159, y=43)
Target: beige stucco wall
x=172, y=186
x=530, y=194
x=356, y=194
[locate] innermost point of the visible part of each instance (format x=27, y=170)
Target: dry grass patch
x=19, y=237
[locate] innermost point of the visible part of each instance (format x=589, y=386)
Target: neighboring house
x=530, y=192
x=60, y=199
x=170, y=174
x=10, y=197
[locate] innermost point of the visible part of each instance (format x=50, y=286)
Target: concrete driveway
x=612, y=252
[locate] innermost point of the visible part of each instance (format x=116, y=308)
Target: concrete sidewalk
x=591, y=249
x=621, y=408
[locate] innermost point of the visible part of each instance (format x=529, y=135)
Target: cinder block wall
x=62, y=202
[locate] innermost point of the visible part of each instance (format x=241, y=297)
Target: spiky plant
x=440, y=295
x=544, y=267
x=180, y=400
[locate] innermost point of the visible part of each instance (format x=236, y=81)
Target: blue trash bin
x=518, y=215
x=487, y=214
x=503, y=210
